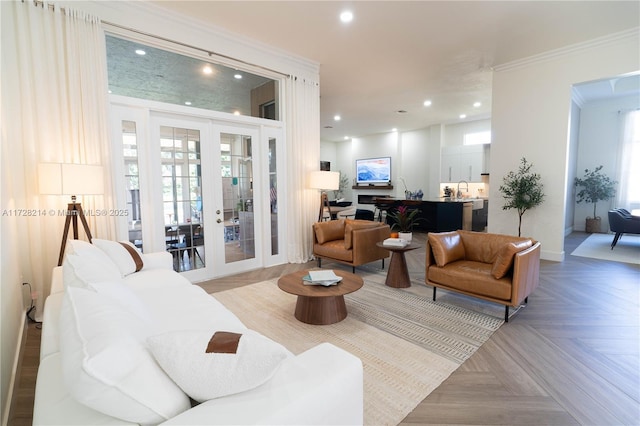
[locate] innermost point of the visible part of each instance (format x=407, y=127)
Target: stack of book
x=395, y=242
x=325, y=278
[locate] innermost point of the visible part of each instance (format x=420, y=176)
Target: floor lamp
x=324, y=181
x=71, y=179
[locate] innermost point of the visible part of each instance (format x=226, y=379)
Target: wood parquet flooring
x=570, y=357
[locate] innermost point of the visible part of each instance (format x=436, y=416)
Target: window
x=477, y=138
x=629, y=173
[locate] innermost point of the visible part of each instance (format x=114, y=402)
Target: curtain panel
x=303, y=156
x=54, y=110
x=628, y=191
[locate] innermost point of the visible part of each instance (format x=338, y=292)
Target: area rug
x=598, y=246
x=408, y=344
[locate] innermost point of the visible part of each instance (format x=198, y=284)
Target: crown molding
x=570, y=49
x=577, y=97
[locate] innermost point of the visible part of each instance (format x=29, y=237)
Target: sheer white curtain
x=628, y=193
x=54, y=109
x=303, y=156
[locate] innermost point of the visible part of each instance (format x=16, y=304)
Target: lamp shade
x=70, y=179
x=328, y=181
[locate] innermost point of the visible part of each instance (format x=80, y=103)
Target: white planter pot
x=405, y=236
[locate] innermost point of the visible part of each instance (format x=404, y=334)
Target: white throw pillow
x=127, y=259
x=118, y=292
x=206, y=365
x=106, y=364
x=89, y=265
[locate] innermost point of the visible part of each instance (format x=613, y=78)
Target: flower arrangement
x=404, y=219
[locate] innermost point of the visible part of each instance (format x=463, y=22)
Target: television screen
x=373, y=170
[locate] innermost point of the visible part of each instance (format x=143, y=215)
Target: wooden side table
x=317, y=304
x=398, y=273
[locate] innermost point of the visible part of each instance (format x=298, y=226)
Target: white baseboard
x=17, y=361
x=568, y=230
x=553, y=256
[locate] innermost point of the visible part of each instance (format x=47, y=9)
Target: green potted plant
x=403, y=220
x=596, y=186
x=522, y=190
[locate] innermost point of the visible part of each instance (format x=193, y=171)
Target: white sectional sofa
x=122, y=347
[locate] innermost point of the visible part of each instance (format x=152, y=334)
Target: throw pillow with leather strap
x=352, y=225
x=504, y=260
x=329, y=231
x=447, y=247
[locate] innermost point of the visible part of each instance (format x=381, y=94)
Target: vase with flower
x=403, y=220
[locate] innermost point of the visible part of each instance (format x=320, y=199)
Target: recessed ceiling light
x=394, y=130
x=477, y=104
x=346, y=16
x=141, y=52
x=238, y=76
x=236, y=112
x=337, y=118
x=207, y=69
x=346, y=138
x=187, y=103
x=462, y=116
x=427, y=103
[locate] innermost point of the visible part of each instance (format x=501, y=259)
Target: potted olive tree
x=522, y=190
x=596, y=186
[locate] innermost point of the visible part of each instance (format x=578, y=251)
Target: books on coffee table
x=395, y=242
x=325, y=278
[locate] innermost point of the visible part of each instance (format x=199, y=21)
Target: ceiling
x=394, y=55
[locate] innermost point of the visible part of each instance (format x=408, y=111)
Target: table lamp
x=71, y=179
x=324, y=181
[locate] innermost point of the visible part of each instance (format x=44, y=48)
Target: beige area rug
x=408, y=344
x=598, y=246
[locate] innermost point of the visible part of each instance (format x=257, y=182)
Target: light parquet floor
x=570, y=357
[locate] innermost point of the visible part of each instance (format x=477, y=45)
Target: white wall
x=598, y=144
x=531, y=105
x=574, y=131
x=420, y=161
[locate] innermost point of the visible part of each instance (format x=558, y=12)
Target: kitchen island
x=436, y=215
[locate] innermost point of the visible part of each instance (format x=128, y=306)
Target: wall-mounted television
x=370, y=171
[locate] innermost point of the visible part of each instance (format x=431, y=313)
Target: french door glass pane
x=181, y=196
x=273, y=194
x=237, y=197
x=132, y=181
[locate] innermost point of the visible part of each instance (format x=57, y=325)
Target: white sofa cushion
x=106, y=364
x=209, y=365
x=127, y=259
x=84, y=263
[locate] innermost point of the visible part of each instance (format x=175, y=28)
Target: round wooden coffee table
x=398, y=273
x=317, y=304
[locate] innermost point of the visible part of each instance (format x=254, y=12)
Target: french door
x=237, y=199
x=202, y=189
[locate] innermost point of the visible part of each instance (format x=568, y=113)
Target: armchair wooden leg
x=319, y=262
x=506, y=313
x=434, y=293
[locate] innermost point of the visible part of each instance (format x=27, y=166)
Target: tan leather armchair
x=350, y=241
x=499, y=268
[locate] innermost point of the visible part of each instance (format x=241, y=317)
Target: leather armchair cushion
x=352, y=225
x=504, y=260
x=483, y=247
x=334, y=250
x=472, y=277
x=447, y=247
x=329, y=231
